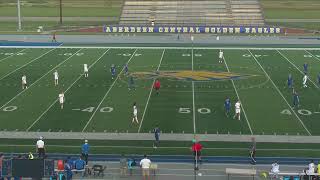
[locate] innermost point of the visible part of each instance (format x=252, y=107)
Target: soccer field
x=194, y=86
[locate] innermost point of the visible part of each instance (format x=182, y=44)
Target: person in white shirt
x=311, y=168
x=61, y=99
x=86, y=70
x=40, y=148
x=56, y=78
x=237, y=110
x=24, y=82
x=220, y=56
x=304, y=80
x=135, y=114
x=275, y=170
x=145, y=164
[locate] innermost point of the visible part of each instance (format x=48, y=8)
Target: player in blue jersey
x=305, y=67
x=290, y=81
x=319, y=78
x=113, y=71
x=227, y=106
x=296, y=100
x=126, y=69
x=131, y=83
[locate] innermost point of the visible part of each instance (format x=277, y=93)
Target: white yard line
x=162, y=47
x=22, y=91
x=11, y=55
x=104, y=97
x=242, y=107
x=297, y=68
x=193, y=101
x=280, y=93
x=145, y=108
x=26, y=64
x=313, y=55
x=54, y=102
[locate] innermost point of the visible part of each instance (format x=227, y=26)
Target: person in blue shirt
x=305, y=67
x=156, y=132
x=319, y=78
x=131, y=83
x=80, y=165
x=227, y=106
x=85, y=148
x=68, y=170
x=296, y=100
x=290, y=81
x=113, y=71
x=126, y=69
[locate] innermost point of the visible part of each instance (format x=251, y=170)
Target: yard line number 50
x=200, y=110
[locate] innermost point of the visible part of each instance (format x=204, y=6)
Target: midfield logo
x=191, y=75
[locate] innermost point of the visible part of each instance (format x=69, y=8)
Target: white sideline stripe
x=12, y=55
x=297, y=68
x=145, y=108
x=54, y=102
x=193, y=101
x=26, y=64
x=312, y=55
x=104, y=97
x=244, y=112
x=160, y=47
x=280, y=93
x=33, y=83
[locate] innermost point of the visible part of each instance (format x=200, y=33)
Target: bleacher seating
x=189, y=13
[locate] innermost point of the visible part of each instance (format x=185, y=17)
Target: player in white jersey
x=220, y=56
x=24, y=82
x=237, y=109
x=85, y=70
x=61, y=99
x=135, y=114
x=56, y=78
x=304, y=80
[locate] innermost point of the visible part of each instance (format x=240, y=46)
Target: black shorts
x=197, y=153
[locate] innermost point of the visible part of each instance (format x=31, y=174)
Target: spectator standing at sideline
x=275, y=170
x=156, y=132
x=41, y=148
x=145, y=164
x=252, y=153
x=196, y=149
x=68, y=169
x=85, y=151
x=123, y=166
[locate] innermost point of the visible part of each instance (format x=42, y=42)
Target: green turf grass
x=100, y=103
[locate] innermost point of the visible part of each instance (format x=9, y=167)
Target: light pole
x=60, y=11
x=19, y=15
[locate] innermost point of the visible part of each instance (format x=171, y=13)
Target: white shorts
x=237, y=111
x=86, y=71
x=56, y=78
x=24, y=82
x=61, y=101
x=220, y=57
x=135, y=114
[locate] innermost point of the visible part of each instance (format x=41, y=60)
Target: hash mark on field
x=280, y=93
x=244, y=112
x=104, y=97
x=312, y=55
x=65, y=90
x=145, y=108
